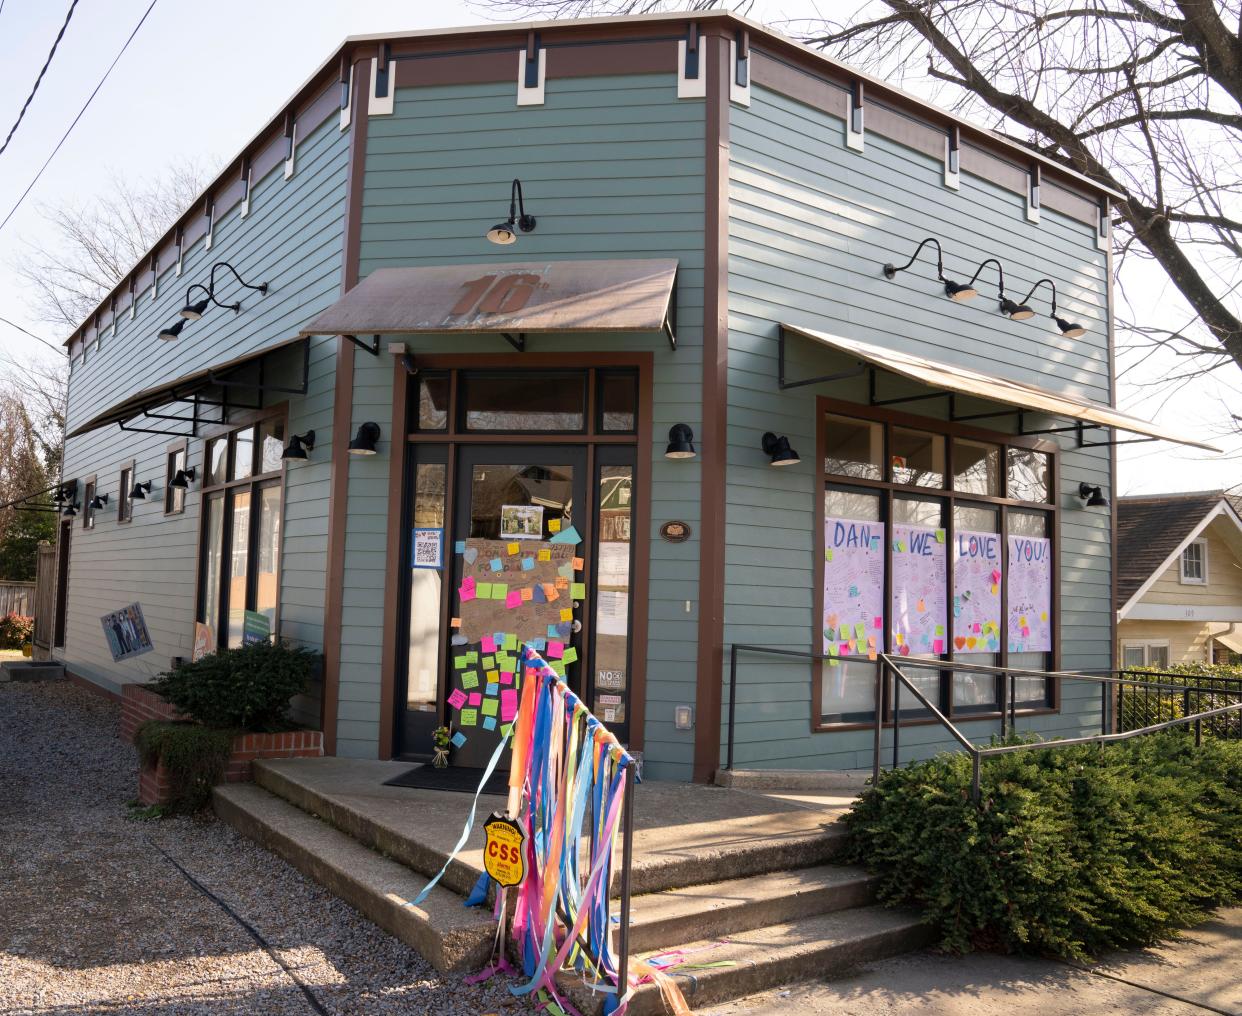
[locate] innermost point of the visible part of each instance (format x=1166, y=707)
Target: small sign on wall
x=126, y=632
x=427, y=549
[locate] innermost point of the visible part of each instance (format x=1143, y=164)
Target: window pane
x=1132, y=656
x=1028, y=475
x=612, y=604
x=919, y=582
x=433, y=397
x=215, y=460
x=243, y=454
x=976, y=692
x=425, y=591
x=239, y=563
x=853, y=447
x=88, y=513
x=1158, y=657
x=530, y=401
x=917, y=458
x=1029, y=625
x=174, y=497
x=618, y=402
x=124, y=506
x=213, y=553
x=976, y=467
x=266, y=592
x=271, y=445
x=1030, y=691
x=848, y=692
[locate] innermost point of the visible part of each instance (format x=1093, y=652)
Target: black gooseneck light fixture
x=1094, y=496
x=140, y=491
x=98, y=501
x=172, y=331
x=505, y=233
x=72, y=510
x=193, y=311
x=364, y=441
x=778, y=451
x=1070, y=329
x=299, y=446
x=680, y=442
x=953, y=290
x=183, y=478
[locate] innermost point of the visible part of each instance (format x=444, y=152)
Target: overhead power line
x=39, y=80
x=86, y=105
x=13, y=324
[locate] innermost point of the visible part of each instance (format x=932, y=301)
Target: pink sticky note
x=476, y=698
x=938, y=646
x=466, y=593
x=468, y=582
x=556, y=650
x=514, y=599
x=489, y=644
x=506, y=677
x=1026, y=633
x=457, y=699
x=508, y=704
x=995, y=575
x=877, y=622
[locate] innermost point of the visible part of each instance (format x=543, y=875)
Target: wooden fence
x=44, y=598
x=17, y=598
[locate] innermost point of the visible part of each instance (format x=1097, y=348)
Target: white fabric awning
x=964, y=381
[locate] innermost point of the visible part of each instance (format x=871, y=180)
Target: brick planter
x=139, y=704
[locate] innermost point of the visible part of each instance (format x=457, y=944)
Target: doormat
x=460, y=779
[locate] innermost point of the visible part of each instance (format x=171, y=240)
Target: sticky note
x=514, y=599
x=556, y=650
x=484, y=591
x=833, y=650
x=569, y=535
x=460, y=546
x=538, y=595
x=570, y=656
x=853, y=591
x=526, y=593
x=471, y=555
x=938, y=646
x=457, y=699
x=561, y=582
x=567, y=614
x=544, y=555
x=493, y=686
x=871, y=641
x=469, y=679
x=455, y=622
x=528, y=563
x=558, y=668
x=489, y=663
x=996, y=575
x=458, y=739
x=490, y=707
x=920, y=607
x=489, y=722
x=508, y=705
x=472, y=657
x=860, y=629
x=554, y=525
x=459, y=662
x=506, y=677
x=500, y=590
x=469, y=717
x=549, y=592
x=488, y=644
x=827, y=555
x=475, y=698
x=492, y=677
x=876, y=622
x=577, y=591
x=940, y=536
x=466, y=593
x=875, y=543
x=513, y=548
x=578, y=564
x=553, y=632
x=496, y=564
x=511, y=643
x=900, y=639
x=939, y=629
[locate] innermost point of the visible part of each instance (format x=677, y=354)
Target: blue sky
x=201, y=78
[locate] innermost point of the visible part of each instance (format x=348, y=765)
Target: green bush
x=245, y=688
x=1071, y=851
x=194, y=756
x=15, y=630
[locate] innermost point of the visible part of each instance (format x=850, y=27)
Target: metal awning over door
x=512, y=299
x=951, y=379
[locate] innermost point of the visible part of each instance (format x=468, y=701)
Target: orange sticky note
x=562, y=582
x=578, y=564
x=549, y=590
x=455, y=623
x=554, y=525
x=527, y=593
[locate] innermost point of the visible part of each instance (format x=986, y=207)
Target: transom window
x=937, y=546
x=239, y=554
x=1194, y=563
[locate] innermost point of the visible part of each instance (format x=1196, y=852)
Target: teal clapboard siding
x=292, y=238
x=810, y=225
x=612, y=167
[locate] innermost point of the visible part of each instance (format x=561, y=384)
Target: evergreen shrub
x=1070, y=851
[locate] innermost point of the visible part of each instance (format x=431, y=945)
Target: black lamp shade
x=364, y=441
x=502, y=233
x=1094, y=495
x=172, y=331
x=778, y=450
x=959, y=291
x=1016, y=311
x=182, y=480
x=1069, y=329
x=194, y=311
x=139, y=493
x=680, y=442
x=299, y=445
x=98, y=501
x=71, y=511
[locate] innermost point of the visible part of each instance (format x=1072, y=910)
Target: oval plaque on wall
x=675, y=532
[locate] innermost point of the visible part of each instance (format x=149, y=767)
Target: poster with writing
x=976, y=592
x=1030, y=594
x=920, y=576
x=853, y=622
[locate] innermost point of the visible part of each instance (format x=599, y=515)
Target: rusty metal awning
x=177, y=408
x=951, y=380
x=509, y=299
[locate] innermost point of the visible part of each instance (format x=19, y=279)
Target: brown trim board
x=342, y=420
x=714, y=400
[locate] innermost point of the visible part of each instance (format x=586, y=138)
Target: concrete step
x=717, y=909
x=418, y=828
x=823, y=946
x=32, y=671
x=451, y=937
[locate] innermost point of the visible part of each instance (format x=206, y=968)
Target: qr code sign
x=427, y=548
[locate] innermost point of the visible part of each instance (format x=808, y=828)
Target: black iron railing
x=1146, y=696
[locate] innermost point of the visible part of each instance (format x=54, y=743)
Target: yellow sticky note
x=567, y=614
x=900, y=638
x=554, y=525
x=513, y=549
x=544, y=555
x=995, y=588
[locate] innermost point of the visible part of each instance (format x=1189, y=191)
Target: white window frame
x=1147, y=645
x=1182, y=577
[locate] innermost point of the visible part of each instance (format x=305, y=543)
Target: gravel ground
x=94, y=918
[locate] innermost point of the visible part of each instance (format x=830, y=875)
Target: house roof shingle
x=1150, y=528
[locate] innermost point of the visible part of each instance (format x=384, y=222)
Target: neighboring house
x=1179, y=579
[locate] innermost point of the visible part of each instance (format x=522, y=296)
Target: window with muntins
x=1194, y=564
x=937, y=546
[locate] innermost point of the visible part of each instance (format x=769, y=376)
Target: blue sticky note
x=569, y=535
x=489, y=722
x=875, y=543
x=459, y=739
x=497, y=565
x=538, y=595
x=539, y=644
x=460, y=546
x=553, y=632
x=493, y=688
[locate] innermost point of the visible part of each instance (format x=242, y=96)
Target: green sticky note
x=833, y=663
x=499, y=590
x=489, y=663
x=469, y=717
x=577, y=590
x=558, y=667
x=860, y=630
x=571, y=654
x=940, y=536
x=459, y=662
x=834, y=650
x=490, y=705
x=472, y=656
x=827, y=555
x=511, y=643
x=505, y=662
x=483, y=591
x=939, y=629
x=469, y=679
x=505, y=729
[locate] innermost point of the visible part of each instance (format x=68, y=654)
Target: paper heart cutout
x=959, y=641
x=471, y=554
x=971, y=642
